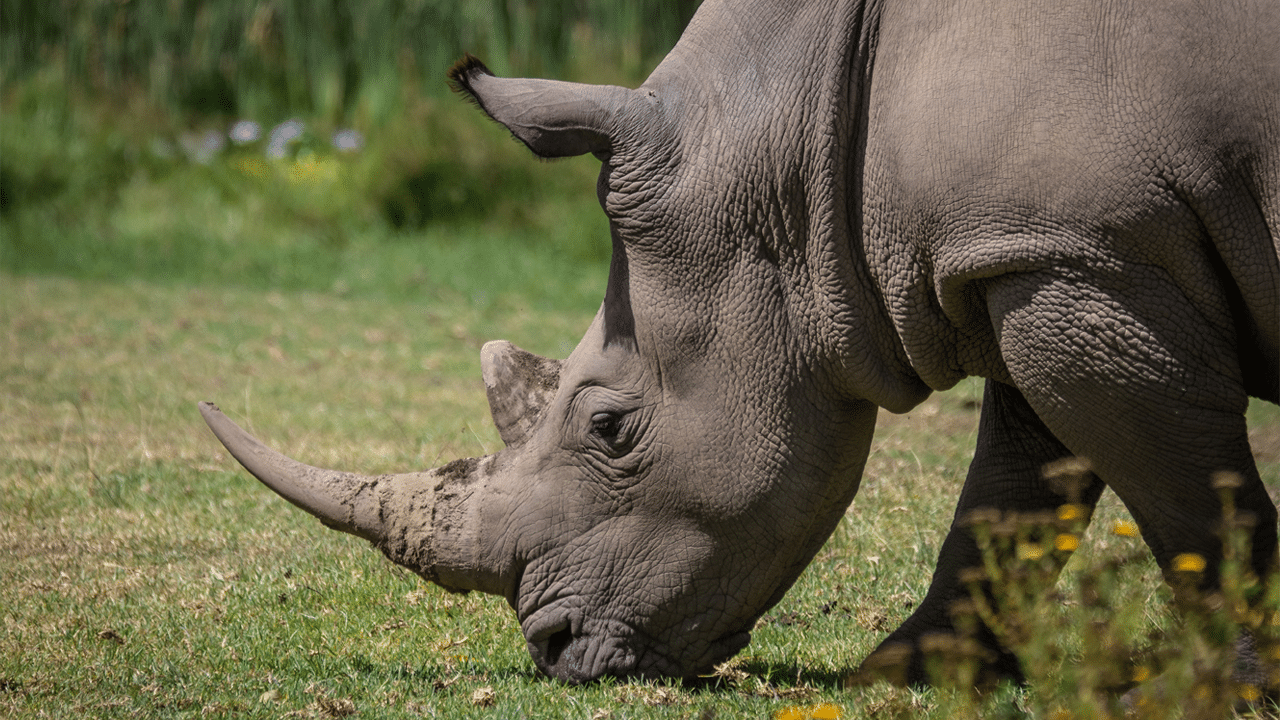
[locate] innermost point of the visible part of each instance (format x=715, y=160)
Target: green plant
x=114, y=121
x=1087, y=650
x=332, y=61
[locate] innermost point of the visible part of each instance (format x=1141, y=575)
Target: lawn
x=148, y=576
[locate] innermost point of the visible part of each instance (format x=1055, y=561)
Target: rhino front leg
x=1127, y=372
x=1144, y=382
x=1007, y=474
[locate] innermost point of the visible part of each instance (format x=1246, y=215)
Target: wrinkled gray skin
x=821, y=208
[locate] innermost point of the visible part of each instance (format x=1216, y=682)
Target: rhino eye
x=611, y=439
x=605, y=425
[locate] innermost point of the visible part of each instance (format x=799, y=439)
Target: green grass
x=147, y=576
x=93, y=193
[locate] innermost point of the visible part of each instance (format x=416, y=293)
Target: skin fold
x=819, y=209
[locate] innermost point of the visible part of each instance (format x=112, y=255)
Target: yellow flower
x=253, y=167
x=1188, y=562
x=1125, y=528
x=1070, y=512
x=822, y=711
x=1066, y=542
x=1030, y=551
x=312, y=170
x=1249, y=693
x=825, y=711
x=1141, y=673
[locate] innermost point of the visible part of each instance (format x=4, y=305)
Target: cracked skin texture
x=821, y=208
x=1100, y=241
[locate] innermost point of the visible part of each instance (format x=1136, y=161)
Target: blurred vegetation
x=1087, y=650
x=330, y=59
x=120, y=152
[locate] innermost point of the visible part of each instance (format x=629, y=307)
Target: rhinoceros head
x=663, y=486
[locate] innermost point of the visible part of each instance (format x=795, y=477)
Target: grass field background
x=334, y=301
x=146, y=575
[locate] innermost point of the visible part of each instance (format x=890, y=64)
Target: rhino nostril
x=556, y=645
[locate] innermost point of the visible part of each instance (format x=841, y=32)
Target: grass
x=98, y=192
x=147, y=576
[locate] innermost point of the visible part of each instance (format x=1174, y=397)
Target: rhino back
x=1078, y=137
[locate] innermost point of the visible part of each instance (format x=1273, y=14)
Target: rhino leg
x=1147, y=385
x=1006, y=473
x=1131, y=374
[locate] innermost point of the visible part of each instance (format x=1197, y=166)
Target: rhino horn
x=421, y=520
x=553, y=118
x=519, y=385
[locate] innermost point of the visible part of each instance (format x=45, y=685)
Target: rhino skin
x=818, y=209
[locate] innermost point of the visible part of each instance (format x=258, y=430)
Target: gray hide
x=821, y=208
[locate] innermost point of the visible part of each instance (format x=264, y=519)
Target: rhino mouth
x=566, y=646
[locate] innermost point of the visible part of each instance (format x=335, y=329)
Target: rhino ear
x=519, y=385
x=553, y=118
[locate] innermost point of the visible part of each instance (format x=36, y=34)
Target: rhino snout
x=573, y=648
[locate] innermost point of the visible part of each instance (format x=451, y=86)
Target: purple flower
x=281, y=135
x=348, y=140
x=244, y=132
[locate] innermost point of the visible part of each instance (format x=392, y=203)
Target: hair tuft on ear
x=461, y=75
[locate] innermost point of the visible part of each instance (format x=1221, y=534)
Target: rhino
x=820, y=208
